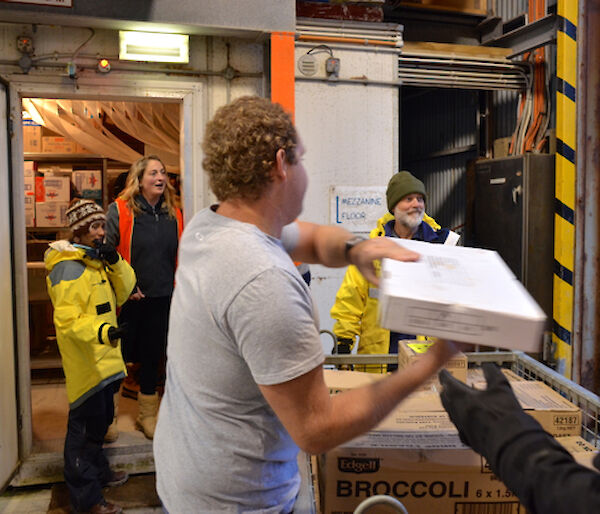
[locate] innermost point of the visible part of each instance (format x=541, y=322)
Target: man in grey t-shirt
x=245, y=384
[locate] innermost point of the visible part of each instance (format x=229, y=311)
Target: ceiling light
x=153, y=46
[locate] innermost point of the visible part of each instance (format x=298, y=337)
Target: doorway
x=43, y=406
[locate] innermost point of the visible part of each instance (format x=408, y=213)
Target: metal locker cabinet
x=512, y=211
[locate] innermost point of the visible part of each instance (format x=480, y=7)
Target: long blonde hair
x=133, y=188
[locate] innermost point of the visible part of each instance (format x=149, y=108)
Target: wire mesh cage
x=519, y=363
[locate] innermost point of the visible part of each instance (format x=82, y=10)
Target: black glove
x=116, y=333
x=487, y=420
x=343, y=347
x=106, y=252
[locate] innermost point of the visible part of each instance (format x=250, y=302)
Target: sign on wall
x=356, y=208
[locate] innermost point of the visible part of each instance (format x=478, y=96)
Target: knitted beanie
x=82, y=213
x=401, y=184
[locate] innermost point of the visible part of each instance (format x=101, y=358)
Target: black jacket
x=154, y=246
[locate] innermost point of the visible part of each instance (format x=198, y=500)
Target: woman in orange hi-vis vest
x=145, y=225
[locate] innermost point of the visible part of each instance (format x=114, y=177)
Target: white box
x=459, y=293
x=51, y=214
x=57, y=189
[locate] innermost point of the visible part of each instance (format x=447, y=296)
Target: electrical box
x=510, y=209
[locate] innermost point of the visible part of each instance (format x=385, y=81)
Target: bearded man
x=356, y=302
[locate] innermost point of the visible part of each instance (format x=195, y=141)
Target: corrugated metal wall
x=505, y=103
x=439, y=133
x=439, y=137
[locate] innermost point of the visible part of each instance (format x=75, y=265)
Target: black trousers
x=86, y=467
x=146, y=341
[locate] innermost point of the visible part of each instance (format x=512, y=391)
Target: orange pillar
x=282, y=70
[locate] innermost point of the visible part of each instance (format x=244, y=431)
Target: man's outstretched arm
x=326, y=245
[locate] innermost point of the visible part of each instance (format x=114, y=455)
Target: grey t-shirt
x=241, y=315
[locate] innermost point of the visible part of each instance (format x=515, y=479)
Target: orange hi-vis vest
x=126, y=227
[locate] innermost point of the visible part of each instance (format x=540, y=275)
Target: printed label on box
x=51, y=214
x=56, y=189
x=88, y=183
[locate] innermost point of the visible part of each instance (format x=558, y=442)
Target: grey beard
x=409, y=221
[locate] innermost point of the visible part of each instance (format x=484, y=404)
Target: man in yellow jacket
x=86, y=281
x=356, y=302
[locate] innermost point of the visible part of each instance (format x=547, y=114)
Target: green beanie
x=401, y=184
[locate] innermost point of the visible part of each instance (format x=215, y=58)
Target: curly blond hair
x=132, y=186
x=240, y=146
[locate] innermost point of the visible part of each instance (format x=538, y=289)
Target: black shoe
x=105, y=508
x=117, y=478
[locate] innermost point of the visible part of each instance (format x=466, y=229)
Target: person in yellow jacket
x=87, y=280
x=356, y=302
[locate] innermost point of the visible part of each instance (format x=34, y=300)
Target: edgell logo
x=357, y=465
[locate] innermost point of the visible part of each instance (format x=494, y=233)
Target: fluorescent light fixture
x=153, y=46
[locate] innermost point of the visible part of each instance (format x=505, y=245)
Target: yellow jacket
x=85, y=294
x=356, y=303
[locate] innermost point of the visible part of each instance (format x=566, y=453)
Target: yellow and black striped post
x=566, y=152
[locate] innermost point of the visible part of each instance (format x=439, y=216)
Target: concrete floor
x=137, y=495
x=49, y=422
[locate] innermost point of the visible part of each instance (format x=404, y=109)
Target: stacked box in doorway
x=88, y=183
x=29, y=189
x=51, y=214
x=52, y=195
x=32, y=137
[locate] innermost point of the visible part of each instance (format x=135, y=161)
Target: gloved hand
x=106, y=252
x=487, y=420
x=116, y=333
x=343, y=347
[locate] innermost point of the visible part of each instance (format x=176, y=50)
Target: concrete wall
x=350, y=132
x=55, y=46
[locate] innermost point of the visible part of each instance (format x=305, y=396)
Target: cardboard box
x=459, y=293
x=410, y=349
x=555, y=413
x=445, y=481
x=88, y=183
x=421, y=421
x=342, y=380
x=51, y=214
x=29, y=209
x=55, y=169
x=29, y=185
x=58, y=144
x=56, y=189
x=501, y=147
x=476, y=379
x=28, y=169
x=32, y=137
